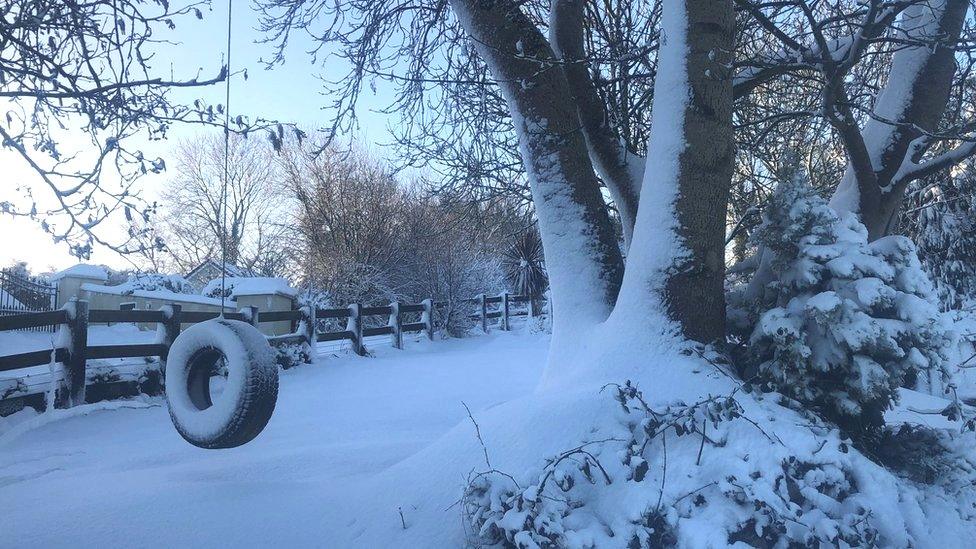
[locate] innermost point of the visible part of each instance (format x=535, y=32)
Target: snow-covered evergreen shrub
x=104, y=385
x=151, y=380
x=844, y=320
x=918, y=453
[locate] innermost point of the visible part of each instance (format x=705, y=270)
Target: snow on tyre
x=221, y=383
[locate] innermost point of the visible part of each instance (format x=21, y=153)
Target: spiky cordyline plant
x=525, y=265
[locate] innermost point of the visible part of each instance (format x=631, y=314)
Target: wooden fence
x=503, y=312
x=76, y=318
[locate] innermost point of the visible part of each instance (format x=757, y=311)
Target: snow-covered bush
x=154, y=282
x=293, y=354
x=844, y=322
x=551, y=512
x=151, y=380
x=734, y=480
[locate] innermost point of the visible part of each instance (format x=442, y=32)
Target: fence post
x=505, y=324
x=250, y=314
x=171, y=329
x=397, y=324
x=484, y=313
x=427, y=317
x=308, y=323
x=74, y=364
x=548, y=310
x=355, y=326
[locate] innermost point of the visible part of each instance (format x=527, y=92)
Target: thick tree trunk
x=620, y=171
x=582, y=256
x=679, y=240
x=913, y=100
x=696, y=294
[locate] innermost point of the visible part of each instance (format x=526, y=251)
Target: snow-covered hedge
x=153, y=282
x=845, y=322
x=234, y=287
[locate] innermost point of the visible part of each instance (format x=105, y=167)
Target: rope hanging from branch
x=223, y=194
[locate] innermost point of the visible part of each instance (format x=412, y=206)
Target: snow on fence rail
x=74, y=350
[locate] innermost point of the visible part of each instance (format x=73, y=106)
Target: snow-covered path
x=124, y=477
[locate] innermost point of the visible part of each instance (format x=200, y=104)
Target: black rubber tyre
x=251, y=391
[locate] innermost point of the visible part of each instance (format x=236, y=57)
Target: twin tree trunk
x=621, y=171
x=563, y=134
x=913, y=100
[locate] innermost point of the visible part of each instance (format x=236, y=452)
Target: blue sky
x=291, y=92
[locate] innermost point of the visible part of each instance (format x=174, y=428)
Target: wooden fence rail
x=76, y=317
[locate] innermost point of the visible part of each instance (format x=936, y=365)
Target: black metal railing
x=22, y=294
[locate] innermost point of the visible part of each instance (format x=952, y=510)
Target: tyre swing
x=208, y=409
x=221, y=375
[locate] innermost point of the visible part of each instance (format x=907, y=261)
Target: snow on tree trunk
x=582, y=256
x=913, y=98
x=676, y=261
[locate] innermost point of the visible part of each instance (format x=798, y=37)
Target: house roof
x=229, y=268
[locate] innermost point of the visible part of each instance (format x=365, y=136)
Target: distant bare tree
x=349, y=209
x=454, y=118
x=191, y=222
x=362, y=235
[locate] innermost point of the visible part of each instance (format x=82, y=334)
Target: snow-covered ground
x=117, y=473
x=336, y=466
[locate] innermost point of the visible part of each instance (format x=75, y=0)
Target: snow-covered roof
x=252, y=285
x=155, y=294
x=81, y=270
x=229, y=268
